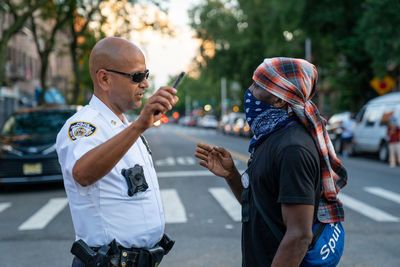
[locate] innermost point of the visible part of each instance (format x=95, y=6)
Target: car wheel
x=383, y=152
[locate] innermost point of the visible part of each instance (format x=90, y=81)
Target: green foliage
x=352, y=41
x=379, y=28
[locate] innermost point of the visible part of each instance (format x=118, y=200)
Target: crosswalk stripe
x=42, y=217
x=383, y=193
x=228, y=202
x=366, y=210
x=187, y=174
x=174, y=211
x=4, y=206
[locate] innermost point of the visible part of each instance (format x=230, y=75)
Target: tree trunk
x=3, y=61
x=43, y=73
x=75, y=65
x=9, y=32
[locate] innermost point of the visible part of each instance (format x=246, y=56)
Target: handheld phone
x=174, y=85
x=178, y=80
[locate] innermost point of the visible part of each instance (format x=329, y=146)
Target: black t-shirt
x=285, y=168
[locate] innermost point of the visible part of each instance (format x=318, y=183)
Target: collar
x=107, y=113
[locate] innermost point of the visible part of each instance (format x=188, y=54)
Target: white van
x=370, y=134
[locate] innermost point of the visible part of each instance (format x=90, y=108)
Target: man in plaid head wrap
x=293, y=170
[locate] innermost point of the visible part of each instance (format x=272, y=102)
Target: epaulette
x=146, y=143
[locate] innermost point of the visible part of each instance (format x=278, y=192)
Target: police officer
x=97, y=146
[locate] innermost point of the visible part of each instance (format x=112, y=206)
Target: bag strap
x=275, y=230
x=316, y=234
x=277, y=233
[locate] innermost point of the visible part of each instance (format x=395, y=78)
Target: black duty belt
x=113, y=255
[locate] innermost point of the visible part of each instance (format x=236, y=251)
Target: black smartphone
x=178, y=80
x=175, y=84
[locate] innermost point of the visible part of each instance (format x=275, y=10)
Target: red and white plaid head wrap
x=294, y=81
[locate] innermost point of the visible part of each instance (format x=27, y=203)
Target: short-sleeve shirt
x=285, y=168
x=103, y=210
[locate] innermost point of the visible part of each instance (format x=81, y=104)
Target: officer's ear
x=103, y=79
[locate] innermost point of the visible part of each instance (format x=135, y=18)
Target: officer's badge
x=80, y=129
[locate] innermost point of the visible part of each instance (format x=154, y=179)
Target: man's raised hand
x=216, y=159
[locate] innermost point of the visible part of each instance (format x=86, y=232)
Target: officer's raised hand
x=158, y=104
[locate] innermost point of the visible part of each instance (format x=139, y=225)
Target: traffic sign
x=383, y=86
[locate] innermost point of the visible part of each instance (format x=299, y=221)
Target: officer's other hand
x=157, y=105
x=216, y=159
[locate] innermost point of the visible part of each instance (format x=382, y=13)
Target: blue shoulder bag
x=327, y=244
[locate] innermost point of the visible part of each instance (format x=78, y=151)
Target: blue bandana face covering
x=263, y=119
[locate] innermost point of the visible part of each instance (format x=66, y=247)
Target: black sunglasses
x=136, y=77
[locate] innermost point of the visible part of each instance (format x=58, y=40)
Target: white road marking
x=383, y=193
x=228, y=202
x=188, y=174
x=185, y=161
x=366, y=210
x=42, y=217
x=4, y=206
x=174, y=211
x=170, y=161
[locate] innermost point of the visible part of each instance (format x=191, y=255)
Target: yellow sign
x=383, y=86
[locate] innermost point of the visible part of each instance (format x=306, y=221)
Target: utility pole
x=223, y=96
x=308, y=49
x=187, y=105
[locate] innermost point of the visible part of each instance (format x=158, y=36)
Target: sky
x=167, y=56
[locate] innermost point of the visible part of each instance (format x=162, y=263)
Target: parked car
x=229, y=126
x=334, y=128
x=370, y=134
x=241, y=127
x=27, y=144
x=208, y=121
x=223, y=121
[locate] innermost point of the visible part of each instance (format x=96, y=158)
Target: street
x=200, y=211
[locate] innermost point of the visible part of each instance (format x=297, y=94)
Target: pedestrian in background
x=293, y=169
x=347, y=126
x=109, y=175
x=393, y=132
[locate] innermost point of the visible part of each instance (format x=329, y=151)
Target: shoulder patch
x=80, y=129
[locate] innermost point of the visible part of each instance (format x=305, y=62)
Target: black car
x=28, y=144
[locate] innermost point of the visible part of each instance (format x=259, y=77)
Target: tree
x=378, y=27
x=352, y=41
x=92, y=20
x=20, y=12
x=80, y=15
x=52, y=18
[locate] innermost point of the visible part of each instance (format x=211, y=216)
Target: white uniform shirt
x=104, y=211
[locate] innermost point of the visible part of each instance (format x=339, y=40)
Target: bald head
x=112, y=53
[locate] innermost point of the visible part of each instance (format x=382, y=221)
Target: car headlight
x=11, y=150
x=49, y=150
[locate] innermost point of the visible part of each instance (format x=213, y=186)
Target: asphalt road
x=201, y=213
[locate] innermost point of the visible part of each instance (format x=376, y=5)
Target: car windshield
x=38, y=122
